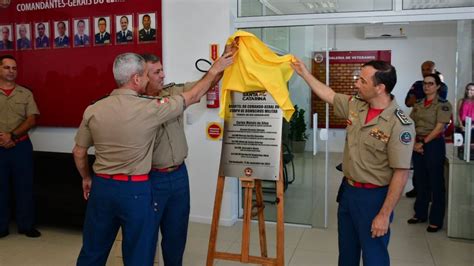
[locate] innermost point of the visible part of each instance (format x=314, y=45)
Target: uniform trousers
x=171, y=191
x=429, y=171
x=117, y=204
x=16, y=165
x=357, y=209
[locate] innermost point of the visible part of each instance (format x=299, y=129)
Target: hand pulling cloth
x=257, y=68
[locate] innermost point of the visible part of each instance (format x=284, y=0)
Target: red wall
x=65, y=81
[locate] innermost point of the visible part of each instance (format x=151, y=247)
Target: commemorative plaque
x=252, y=137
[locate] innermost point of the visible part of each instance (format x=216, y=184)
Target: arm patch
x=402, y=117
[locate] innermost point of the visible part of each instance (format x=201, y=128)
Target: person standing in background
x=18, y=112
x=415, y=94
x=430, y=115
x=466, y=109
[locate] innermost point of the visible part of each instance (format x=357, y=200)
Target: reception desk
x=460, y=196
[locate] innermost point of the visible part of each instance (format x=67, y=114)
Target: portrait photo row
x=80, y=32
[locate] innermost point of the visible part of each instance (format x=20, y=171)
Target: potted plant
x=298, y=134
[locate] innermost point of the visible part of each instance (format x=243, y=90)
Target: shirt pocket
x=375, y=146
x=19, y=107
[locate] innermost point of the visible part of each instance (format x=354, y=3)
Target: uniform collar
x=421, y=102
x=124, y=91
x=386, y=113
x=14, y=92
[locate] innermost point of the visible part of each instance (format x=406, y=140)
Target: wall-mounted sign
x=214, y=131
x=214, y=51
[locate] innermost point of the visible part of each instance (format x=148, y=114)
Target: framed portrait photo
x=124, y=29
x=82, y=36
x=61, y=34
x=42, y=35
x=23, y=36
x=6, y=40
x=147, y=27
x=102, y=31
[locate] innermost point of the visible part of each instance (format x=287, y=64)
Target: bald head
x=428, y=67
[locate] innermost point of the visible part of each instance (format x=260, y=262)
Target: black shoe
x=415, y=220
x=31, y=233
x=432, y=229
x=411, y=194
x=4, y=234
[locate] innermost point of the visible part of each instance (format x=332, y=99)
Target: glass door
x=304, y=153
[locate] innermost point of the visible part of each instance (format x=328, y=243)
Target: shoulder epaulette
x=171, y=84
x=441, y=100
x=101, y=98
x=402, y=117
x=148, y=97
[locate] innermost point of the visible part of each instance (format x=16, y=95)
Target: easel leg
x=248, y=184
x=261, y=218
x=280, y=219
x=215, y=220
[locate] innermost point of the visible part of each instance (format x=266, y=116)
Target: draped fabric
x=257, y=68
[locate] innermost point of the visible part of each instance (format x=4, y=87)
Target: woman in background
x=466, y=109
x=430, y=114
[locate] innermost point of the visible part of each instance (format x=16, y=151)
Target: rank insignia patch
x=402, y=117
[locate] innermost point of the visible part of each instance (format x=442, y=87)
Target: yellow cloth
x=257, y=68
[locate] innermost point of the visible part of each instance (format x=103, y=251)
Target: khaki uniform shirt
x=373, y=150
x=122, y=128
x=426, y=118
x=171, y=147
x=14, y=109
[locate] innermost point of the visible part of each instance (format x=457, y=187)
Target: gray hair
x=126, y=65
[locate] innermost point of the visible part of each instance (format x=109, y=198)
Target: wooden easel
x=248, y=183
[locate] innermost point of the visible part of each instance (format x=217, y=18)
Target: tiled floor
x=409, y=245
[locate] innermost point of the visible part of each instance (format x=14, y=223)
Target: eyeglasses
x=428, y=83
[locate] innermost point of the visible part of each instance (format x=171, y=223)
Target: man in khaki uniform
x=122, y=127
x=169, y=175
x=376, y=161
x=18, y=113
